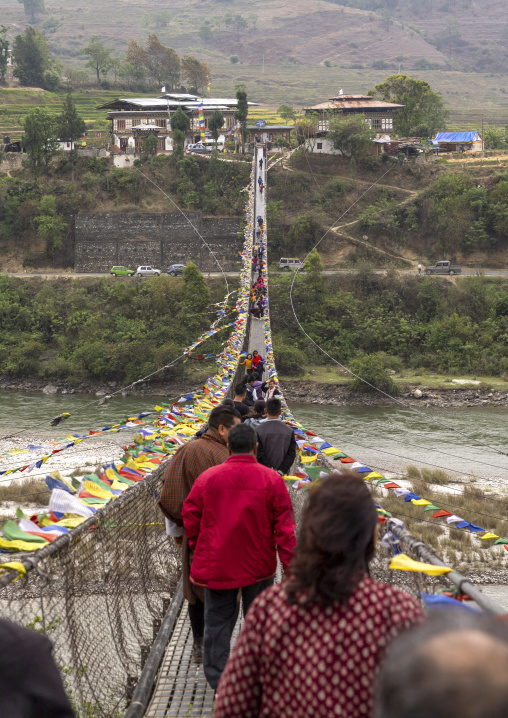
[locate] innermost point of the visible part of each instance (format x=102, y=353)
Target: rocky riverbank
x=339, y=395
x=312, y=392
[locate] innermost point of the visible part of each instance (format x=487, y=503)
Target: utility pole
x=483, y=141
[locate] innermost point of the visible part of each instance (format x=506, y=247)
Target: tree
x=70, y=126
x=32, y=7
x=39, y=140
x=196, y=292
x=51, y=227
x=100, y=56
x=239, y=23
x=162, y=62
x=137, y=62
x=180, y=123
x=205, y=33
x=195, y=72
x=31, y=57
x=422, y=106
x=313, y=267
x=150, y=146
x=306, y=128
x=251, y=18
x=351, y=135
x=4, y=49
x=287, y=113
x=242, y=112
x=215, y=124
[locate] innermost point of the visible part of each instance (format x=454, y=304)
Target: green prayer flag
x=431, y=507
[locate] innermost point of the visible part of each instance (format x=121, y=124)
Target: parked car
x=199, y=147
x=176, y=269
x=443, y=268
x=289, y=263
x=122, y=272
x=147, y=271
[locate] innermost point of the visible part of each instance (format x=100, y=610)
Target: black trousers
x=197, y=618
x=221, y=612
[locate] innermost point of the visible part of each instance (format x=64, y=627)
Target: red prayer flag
x=391, y=485
x=439, y=514
x=347, y=460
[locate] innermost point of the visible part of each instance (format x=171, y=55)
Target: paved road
x=73, y=275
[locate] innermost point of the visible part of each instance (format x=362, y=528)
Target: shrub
x=370, y=369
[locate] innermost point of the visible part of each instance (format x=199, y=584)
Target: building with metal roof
x=132, y=118
x=379, y=114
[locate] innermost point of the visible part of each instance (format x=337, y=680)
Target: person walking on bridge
x=180, y=474
x=261, y=163
x=312, y=645
x=237, y=517
x=260, y=181
x=276, y=440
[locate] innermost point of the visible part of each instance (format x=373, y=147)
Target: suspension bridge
x=96, y=572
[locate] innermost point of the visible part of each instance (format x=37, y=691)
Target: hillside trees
x=215, y=124
x=32, y=7
x=157, y=61
x=180, y=123
x=33, y=60
x=4, y=47
x=100, y=56
x=242, y=112
x=351, y=135
x=195, y=72
x=70, y=126
x=424, y=112
x=39, y=139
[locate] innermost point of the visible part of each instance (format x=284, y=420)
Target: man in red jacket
x=236, y=517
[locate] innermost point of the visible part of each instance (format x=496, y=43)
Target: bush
x=233, y=59
x=370, y=369
x=287, y=358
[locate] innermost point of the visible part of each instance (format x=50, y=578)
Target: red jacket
x=235, y=517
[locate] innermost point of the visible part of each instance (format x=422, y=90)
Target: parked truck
x=444, y=267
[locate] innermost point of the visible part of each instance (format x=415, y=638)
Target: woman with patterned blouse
x=312, y=645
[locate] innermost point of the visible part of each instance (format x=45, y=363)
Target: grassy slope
x=296, y=40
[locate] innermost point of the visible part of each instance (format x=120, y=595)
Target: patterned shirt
x=301, y=662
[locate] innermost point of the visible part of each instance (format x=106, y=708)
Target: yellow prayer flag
x=489, y=535
x=308, y=459
x=20, y=545
x=401, y=562
x=373, y=475
x=420, y=502
x=96, y=491
x=331, y=450
x=14, y=566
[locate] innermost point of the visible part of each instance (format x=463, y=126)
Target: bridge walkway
x=181, y=688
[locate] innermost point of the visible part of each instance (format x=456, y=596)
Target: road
x=74, y=275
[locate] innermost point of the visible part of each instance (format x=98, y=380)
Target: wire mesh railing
x=100, y=593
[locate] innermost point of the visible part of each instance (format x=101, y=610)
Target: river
x=387, y=439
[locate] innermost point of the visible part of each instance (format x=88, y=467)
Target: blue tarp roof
x=457, y=136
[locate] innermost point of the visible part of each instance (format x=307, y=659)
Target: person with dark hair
x=30, y=684
x=180, y=473
x=204, y=427
x=312, y=645
x=249, y=519
x=257, y=415
x=239, y=400
x=276, y=440
x=248, y=382
x=257, y=364
x=455, y=664
x=271, y=389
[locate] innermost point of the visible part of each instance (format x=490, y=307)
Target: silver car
x=147, y=271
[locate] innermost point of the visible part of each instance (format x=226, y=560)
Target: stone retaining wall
x=157, y=239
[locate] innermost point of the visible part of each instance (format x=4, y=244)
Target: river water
x=387, y=439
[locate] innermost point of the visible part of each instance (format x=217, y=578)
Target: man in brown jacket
x=179, y=476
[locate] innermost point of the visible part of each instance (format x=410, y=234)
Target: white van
x=289, y=263
x=210, y=142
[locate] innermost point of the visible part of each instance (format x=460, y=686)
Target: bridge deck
x=181, y=688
